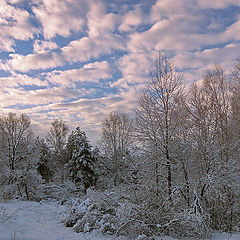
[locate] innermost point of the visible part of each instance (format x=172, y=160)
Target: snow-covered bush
x=22, y=183
x=98, y=211
x=118, y=213
x=61, y=193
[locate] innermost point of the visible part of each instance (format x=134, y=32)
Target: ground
x=42, y=220
x=37, y=221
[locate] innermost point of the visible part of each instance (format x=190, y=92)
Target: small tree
x=81, y=160
x=116, y=142
x=15, y=133
x=44, y=166
x=56, y=139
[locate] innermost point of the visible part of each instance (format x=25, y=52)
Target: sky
x=79, y=60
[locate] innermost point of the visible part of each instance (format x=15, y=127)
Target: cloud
x=14, y=24
x=131, y=20
x=134, y=68
x=86, y=48
x=25, y=63
x=220, y=4
x=77, y=43
x=17, y=80
x=233, y=31
x=91, y=72
x=60, y=16
x=82, y=49
x=23, y=98
x=86, y=113
x=43, y=46
x=100, y=22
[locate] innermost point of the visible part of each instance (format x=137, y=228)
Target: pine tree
x=81, y=160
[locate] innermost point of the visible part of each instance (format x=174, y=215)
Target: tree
x=81, y=160
x=216, y=167
x=235, y=107
x=56, y=139
x=20, y=177
x=15, y=134
x=44, y=166
x=116, y=141
x=157, y=115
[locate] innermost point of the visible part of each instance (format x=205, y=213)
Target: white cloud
x=99, y=22
x=86, y=48
x=60, y=16
x=83, y=49
x=25, y=63
x=43, y=46
x=219, y=4
x=17, y=80
x=91, y=72
x=131, y=20
x=134, y=68
x=233, y=31
x=11, y=96
x=14, y=24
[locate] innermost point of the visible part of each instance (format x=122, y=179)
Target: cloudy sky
x=79, y=60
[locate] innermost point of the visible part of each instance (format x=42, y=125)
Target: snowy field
x=42, y=221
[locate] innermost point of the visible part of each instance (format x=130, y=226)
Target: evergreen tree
x=81, y=160
x=44, y=167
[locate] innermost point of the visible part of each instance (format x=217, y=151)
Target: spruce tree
x=81, y=160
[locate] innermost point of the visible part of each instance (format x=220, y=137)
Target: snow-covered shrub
x=120, y=213
x=223, y=207
x=22, y=183
x=59, y=193
x=187, y=224
x=98, y=211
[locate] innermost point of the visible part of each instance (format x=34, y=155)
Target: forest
x=171, y=167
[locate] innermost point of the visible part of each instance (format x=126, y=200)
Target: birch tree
x=57, y=138
x=156, y=116
x=15, y=134
x=116, y=141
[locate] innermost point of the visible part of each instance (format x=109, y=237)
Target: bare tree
x=57, y=138
x=235, y=106
x=217, y=170
x=116, y=140
x=156, y=116
x=15, y=133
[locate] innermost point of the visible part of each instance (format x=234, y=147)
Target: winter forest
x=169, y=168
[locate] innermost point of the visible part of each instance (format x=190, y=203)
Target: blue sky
x=79, y=60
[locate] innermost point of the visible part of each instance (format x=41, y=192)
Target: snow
x=42, y=220
x=38, y=221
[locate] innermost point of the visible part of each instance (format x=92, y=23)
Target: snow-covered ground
x=37, y=221
x=42, y=221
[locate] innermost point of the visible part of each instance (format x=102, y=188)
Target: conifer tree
x=81, y=160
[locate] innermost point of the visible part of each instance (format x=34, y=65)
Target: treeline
x=175, y=160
